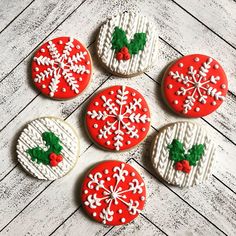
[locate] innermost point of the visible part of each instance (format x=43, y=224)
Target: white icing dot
x=169, y=86
x=94, y=214
x=95, y=126
x=189, y=93
x=80, y=79
x=43, y=86
x=63, y=89
x=213, y=103
x=100, y=136
x=108, y=178
x=143, y=129
x=86, y=203
x=142, y=198
x=36, y=69
x=122, y=220
x=51, y=94
x=187, y=85
x=133, y=94
x=132, y=174
x=60, y=42
x=196, y=96
x=85, y=53
x=216, y=66
x=85, y=191
x=120, y=211
x=88, y=62
x=116, y=203
x=106, y=171
x=145, y=109
x=77, y=46
x=176, y=102
x=112, y=92
x=108, y=142
x=42, y=50
x=181, y=64
x=197, y=109
x=128, y=142
x=87, y=71
x=179, y=80
x=96, y=103
x=223, y=86
x=196, y=59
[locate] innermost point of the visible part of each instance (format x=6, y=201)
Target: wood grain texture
x=32, y=207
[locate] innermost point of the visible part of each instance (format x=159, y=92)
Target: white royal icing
x=31, y=137
x=131, y=23
x=189, y=134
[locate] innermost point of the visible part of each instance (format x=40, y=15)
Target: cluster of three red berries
x=123, y=54
x=183, y=166
x=55, y=159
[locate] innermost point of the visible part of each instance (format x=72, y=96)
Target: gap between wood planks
x=162, y=182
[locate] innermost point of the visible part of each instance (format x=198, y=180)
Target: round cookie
x=48, y=148
x=183, y=154
x=194, y=85
x=117, y=118
x=127, y=44
x=61, y=68
x=113, y=193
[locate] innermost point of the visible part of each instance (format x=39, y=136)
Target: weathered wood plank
x=219, y=15
x=223, y=170
x=9, y=10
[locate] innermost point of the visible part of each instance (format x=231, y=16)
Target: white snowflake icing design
x=123, y=121
x=197, y=84
x=61, y=65
x=113, y=194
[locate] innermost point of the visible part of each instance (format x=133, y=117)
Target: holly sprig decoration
x=52, y=155
x=184, y=160
x=125, y=49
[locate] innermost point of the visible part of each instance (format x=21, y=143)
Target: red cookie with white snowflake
x=61, y=68
x=195, y=85
x=113, y=193
x=118, y=118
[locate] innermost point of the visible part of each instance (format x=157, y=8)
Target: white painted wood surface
x=32, y=207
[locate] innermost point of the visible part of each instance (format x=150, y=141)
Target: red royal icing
x=61, y=68
x=118, y=118
x=113, y=193
x=195, y=85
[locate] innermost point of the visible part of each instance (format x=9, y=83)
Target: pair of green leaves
x=119, y=40
x=177, y=152
x=53, y=144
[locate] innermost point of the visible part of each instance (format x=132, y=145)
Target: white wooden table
x=32, y=207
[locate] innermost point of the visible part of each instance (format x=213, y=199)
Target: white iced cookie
x=127, y=44
x=183, y=154
x=48, y=148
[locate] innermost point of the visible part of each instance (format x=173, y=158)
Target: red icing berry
x=118, y=118
x=187, y=169
x=61, y=68
x=119, y=56
x=178, y=166
x=195, y=85
x=185, y=163
x=52, y=156
x=124, y=50
x=59, y=158
x=126, y=56
x=113, y=193
x=53, y=163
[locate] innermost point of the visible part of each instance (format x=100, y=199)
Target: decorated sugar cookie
x=183, y=154
x=127, y=44
x=61, y=68
x=113, y=193
x=118, y=118
x=48, y=148
x=195, y=85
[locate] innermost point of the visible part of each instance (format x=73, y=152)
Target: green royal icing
x=177, y=152
x=119, y=40
x=41, y=156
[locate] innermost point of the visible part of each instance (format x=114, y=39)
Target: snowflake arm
x=110, y=106
x=53, y=51
x=70, y=79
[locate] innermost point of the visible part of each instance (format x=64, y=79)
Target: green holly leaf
x=195, y=154
x=119, y=39
x=53, y=144
x=137, y=43
x=176, y=151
